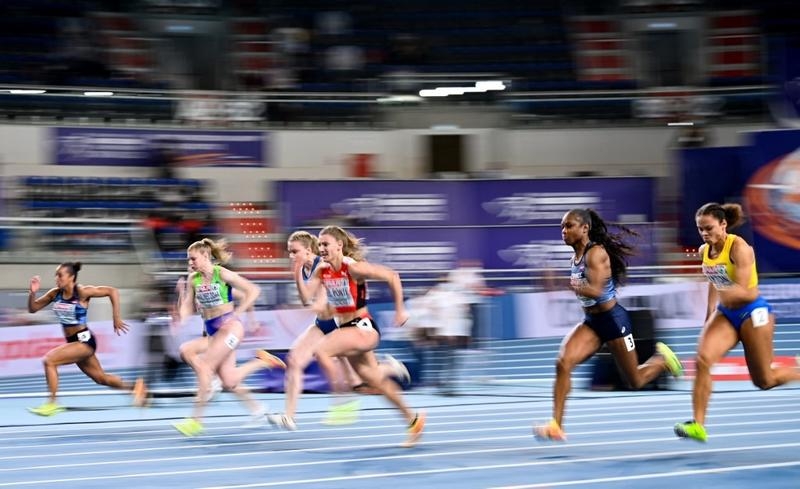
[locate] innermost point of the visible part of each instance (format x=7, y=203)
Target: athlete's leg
x=757, y=335
x=577, y=347
x=716, y=339
x=300, y=356
x=65, y=354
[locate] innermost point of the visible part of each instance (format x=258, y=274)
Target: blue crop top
x=69, y=312
x=578, y=277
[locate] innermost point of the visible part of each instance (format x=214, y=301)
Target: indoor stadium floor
x=481, y=439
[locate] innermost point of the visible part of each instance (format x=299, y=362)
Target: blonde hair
x=351, y=246
x=217, y=249
x=306, y=239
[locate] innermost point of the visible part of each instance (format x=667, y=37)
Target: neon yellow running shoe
x=47, y=409
x=674, y=364
x=691, y=429
x=189, y=427
x=342, y=414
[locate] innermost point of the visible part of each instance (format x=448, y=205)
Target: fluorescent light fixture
x=479, y=87
x=98, y=94
x=680, y=123
x=21, y=91
x=180, y=28
x=399, y=99
x=662, y=25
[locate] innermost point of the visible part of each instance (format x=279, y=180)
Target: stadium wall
x=296, y=154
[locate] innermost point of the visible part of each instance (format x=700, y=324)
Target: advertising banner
x=431, y=225
x=141, y=147
x=22, y=347
x=764, y=176
x=462, y=202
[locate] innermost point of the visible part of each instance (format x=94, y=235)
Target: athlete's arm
x=34, y=303
x=364, y=270
x=89, y=291
x=250, y=290
x=598, y=271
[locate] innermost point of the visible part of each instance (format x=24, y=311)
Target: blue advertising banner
x=142, y=147
x=425, y=226
x=462, y=202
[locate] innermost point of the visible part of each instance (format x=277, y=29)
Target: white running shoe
x=257, y=421
x=216, y=388
x=282, y=421
x=398, y=369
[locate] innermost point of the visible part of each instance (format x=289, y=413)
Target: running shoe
x=257, y=421
x=674, y=364
x=270, y=360
x=550, y=431
x=47, y=409
x=189, y=427
x=398, y=369
x=139, y=393
x=691, y=429
x=414, y=430
x=216, y=388
x=342, y=414
x=282, y=421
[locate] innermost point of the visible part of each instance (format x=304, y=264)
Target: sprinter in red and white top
x=343, y=277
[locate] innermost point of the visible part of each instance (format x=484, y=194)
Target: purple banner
x=511, y=247
x=462, y=203
x=143, y=147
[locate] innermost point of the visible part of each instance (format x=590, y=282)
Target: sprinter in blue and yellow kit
x=598, y=267
x=70, y=305
x=735, y=312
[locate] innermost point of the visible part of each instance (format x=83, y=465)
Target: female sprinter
x=598, y=267
x=343, y=279
x=736, y=312
x=70, y=305
x=210, y=286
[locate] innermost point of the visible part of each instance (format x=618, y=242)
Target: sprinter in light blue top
x=578, y=281
x=598, y=266
x=71, y=306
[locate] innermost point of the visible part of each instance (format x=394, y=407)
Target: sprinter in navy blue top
x=597, y=268
x=70, y=305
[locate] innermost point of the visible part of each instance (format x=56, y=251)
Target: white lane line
x=195, y=471
x=516, y=449
x=481, y=427
x=577, y=411
x=655, y=475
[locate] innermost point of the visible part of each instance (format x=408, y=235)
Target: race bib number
x=364, y=323
x=231, y=341
x=760, y=317
x=339, y=292
x=208, y=295
x=629, y=343
x=84, y=336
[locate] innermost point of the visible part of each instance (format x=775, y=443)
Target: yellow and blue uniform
x=721, y=272
x=71, y=313
x=215, y=293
